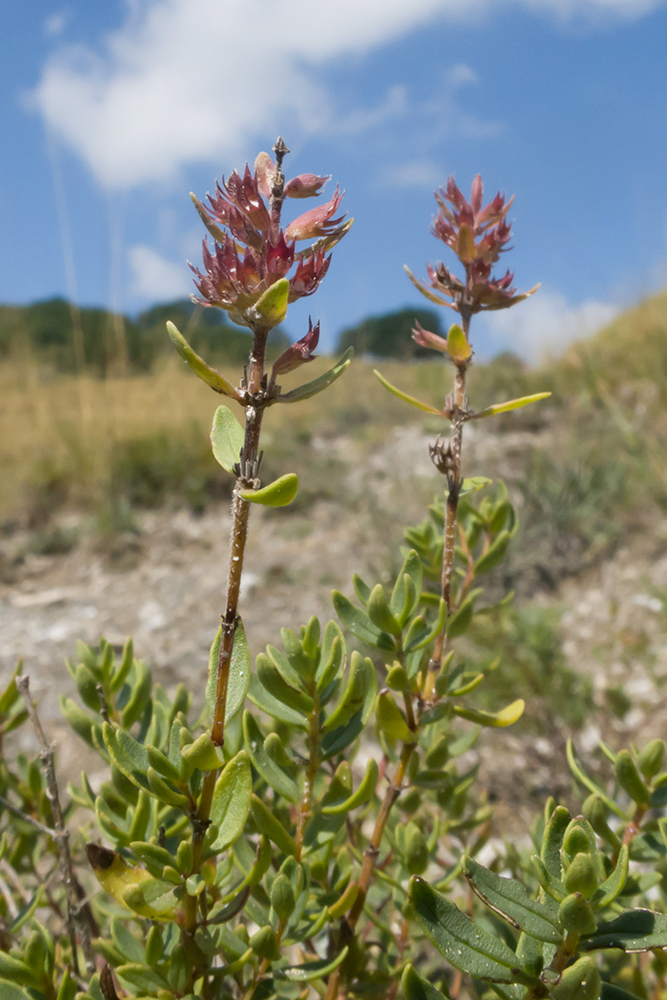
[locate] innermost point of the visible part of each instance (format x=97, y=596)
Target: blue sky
x=113, y=112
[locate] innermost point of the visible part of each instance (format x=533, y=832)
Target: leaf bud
x=416, y=850
x=580, y=981
x=629, y=778
x=576, y=841
x=282, y=897
x=595, y=812
x=203, y=754
x=184, y=857
x=650, y=759
x=581, y=875
x=397, y=679
x=264, y=943
x=576, y=914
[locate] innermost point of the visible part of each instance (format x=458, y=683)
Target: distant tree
x=388, y=336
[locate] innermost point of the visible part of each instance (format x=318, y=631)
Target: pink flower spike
x=427, y=339
x=316, y=222
x=298, y=354
x=305, y=186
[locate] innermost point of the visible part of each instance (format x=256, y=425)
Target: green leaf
x=458, y=347
x=359, y=624
x=239, y=673
x=473, y=485
x=380, y=613
x=460, y=620
x=141, y=978
x=465, y=945
x=10, y=695
x=227, y=438
x=505, y=717
x=317, y=385
x=164, y=792
x=406, y=593
x=634, y=930
x=271, y=827
x=551, y=885
x=510, y=899
x=311, y=970
x=199, y=366
x=9, y=991
x=588, y=783
x=359, y=694
x=426, y=292
x=268, y=769
x=610, y=991
x=614, y=885
x=391, y=721
x=231, y=801
x=418, y=637
x=17, y=970
x=260, y=697
x=272, y=306
x=416, y=988
x=512, y=404
x=125, y=941
x=364, y=792
x=279, y=493
x=332, y=656
x=270, y=677
x=495, y=554
x=426, y=407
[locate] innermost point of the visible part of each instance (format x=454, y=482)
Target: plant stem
x=311, y=773
x=76, y=913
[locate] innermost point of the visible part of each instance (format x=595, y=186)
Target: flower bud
x=282, y=897
x=650, y=759
x=581, y=875
x=427, y=339
x=577, y=915
x=298, y=354
x=265, y=169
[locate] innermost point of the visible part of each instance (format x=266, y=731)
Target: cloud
x=545, y=324
x=183, y=82
x=156, y=279
x=55, y=24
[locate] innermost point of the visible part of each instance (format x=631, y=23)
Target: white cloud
x=186, y=82
x=545, y=324
x=156, y=279
x=55, y=24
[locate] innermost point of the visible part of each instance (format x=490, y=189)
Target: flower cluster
x=477, y=235
x=251, y=251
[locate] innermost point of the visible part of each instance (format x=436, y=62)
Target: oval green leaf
x=227, y=438
x=279, y=493
x=231, y=801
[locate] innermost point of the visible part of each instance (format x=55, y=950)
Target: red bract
x=427, y=339
x=298, y=354
x=316, y=222
x=251, y=251
x=477, y=235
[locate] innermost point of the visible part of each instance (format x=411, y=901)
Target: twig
x=73, y=890
x=29, y=819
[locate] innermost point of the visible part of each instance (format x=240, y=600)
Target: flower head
x=478, y=235
x=252, y=250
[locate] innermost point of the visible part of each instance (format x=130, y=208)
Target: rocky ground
x=164, y=585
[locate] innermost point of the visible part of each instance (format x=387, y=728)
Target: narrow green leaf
x=126, y=942
x=142, y=978
x=510, y=899
x=271, y=679
x=588, y=783
x=416, y=988
x=317, y=385
x=227, y=437
x=635, y=930
x=465, y=945
x=614, y=885
x=364, y=792
x=279, y=493
x=260, y=697
x=311, y=970
x=359, y=624
x=551, y=885
x=268, y=769
x=417, y=637
x=473, y=485
x=231, y=801
x=405, y=595
x=426, y=292
x=271, y=827
x=379, y=611
x=199, y=366
x=495, y=554
x=359, y=694
x=426, y=407
x=239, y=673
x=10, y=991
x=612, y=992
x=512, y=404
x=505, y=717
x=460, y=620
x=391, y=721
